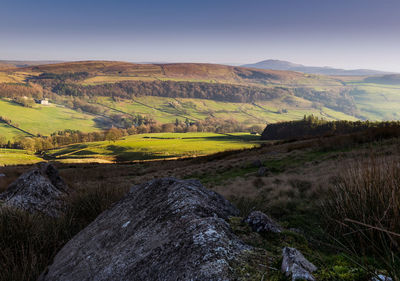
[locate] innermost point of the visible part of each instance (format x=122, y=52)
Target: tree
x=187, y=122
x=113, y=134
x=168, y=128
x=3, y=141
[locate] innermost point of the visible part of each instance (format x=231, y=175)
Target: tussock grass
x=28, y=242
x=363, y=212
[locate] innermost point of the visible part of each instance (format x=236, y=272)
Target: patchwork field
x=166, y=110
x=154, y=146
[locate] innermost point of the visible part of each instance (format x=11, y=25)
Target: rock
x=2, y=175
x=166, y=229
x=260, y=222
x=381, y=277
x=38, y=190
x=257, y=163
x=294, y=264
x=262, y=171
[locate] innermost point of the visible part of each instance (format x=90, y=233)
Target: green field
x=17, y=157
x=154, y=146
x=9, y=132
x=44, y=120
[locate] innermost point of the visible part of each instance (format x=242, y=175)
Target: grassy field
x=17, y=157
x=154, y=146
x=44, y=119
x=9, y=132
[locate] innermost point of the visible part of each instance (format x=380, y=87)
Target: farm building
x=44, y=102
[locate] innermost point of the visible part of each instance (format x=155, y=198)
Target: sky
x=338, y=33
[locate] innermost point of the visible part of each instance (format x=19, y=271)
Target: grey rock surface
x=40, y=189
x=381, y=277
x=260, y=222
x=296, y=266
x=166, y=229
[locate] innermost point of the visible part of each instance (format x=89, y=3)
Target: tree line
x=312, y=126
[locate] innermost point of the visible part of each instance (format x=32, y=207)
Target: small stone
x=2, y=175
x=257, y=163
x=260, y=222
x=262, y=171
x=294, y=264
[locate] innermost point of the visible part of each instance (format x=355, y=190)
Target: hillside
x=185, y=71
x=285, y=65
x=166, y=92
x=44, y=120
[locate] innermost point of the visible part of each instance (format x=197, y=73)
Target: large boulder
x=39, y=190
x=260, y=222
x=166, y=229
x=296, y=266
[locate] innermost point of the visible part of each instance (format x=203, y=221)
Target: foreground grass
x=156, y=146
x=299, y=178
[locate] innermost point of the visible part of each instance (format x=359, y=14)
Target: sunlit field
x=155, y=146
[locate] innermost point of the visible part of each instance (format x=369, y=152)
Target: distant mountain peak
x=278, y=63
x=325, y=70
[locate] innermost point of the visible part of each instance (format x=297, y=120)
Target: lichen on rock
x=39, y=190
x=166, y=229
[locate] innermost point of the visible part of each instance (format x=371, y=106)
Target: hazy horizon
x=342, y=34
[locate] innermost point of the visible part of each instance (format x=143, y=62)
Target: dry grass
x=300, y=173
x=363, y=211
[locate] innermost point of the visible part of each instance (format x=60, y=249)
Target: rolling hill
x=285, y=65
x=5, y=64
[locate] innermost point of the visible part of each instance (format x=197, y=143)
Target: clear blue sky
x=339, y=33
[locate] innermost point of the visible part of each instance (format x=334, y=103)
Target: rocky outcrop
x=260, y=222
x=166, y=229
x=40, y=190
x=296, y=266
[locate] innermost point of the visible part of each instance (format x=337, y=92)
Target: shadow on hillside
x=102, y=122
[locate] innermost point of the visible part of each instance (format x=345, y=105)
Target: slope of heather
x=188, y=71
